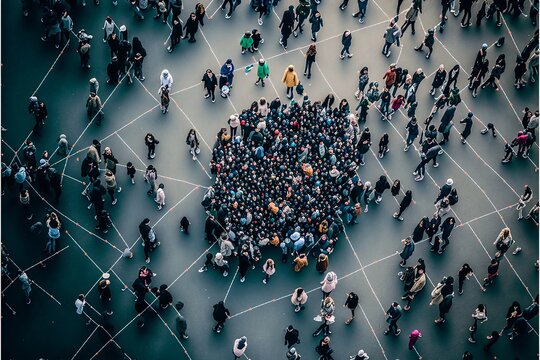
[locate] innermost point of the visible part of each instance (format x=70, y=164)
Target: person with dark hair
x=480, y=314
x=181, y=323
x=429, y=41
x=463, y=274
x=394, y=314
x=447, y=294
x=493, y=272
x=291, y=336
x=351, y=303
x=286, y=25
x=175, y=36
x=404, y=204
x=191, y=27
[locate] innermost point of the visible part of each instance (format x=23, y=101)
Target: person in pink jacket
x=298, y=299
x=329, y=283
x=413, y=338
x=269, y=268
x=239, y=348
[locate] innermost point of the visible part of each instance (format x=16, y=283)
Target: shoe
x=119, y=189
x=397, y=332
x=471, y=329
x=406, y=308
x=213, y=100
x=400, y=218
x=361, y=20
x=264, y=281
x=517, y=251
x=203, y=269
x=354, y=15
x=381, y=156
x=441, y=151
x=227, y=16
x=350, y=56
x=260, y=21
x=243, y=52
x=395, y=216
x=194, y=157
x=439, y=321
x=315, y=334
x=114, y=202
x=28, y=301
x=197, y=151
x=218, y=330
x=159, y=207
x=110, y=312
x=362, y=163
x=242, y=279
x=419, y=178
x=43, y=38
x=436, y=165
x=133, y=181
x=295, y=34
x=341, y=57
x=388, y=54
x=225, y=273
x=297, y=309
x=184, y=336
x=30, y=217
x=386, y=332
x=415, y=173
x=147, y=260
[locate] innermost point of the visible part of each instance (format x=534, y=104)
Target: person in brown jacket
x=290, y=79
x=300, y=261
x=322, y=263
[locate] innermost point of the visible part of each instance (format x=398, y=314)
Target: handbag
x=318, y=318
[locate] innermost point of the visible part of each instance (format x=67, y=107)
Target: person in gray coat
x=181, y=323
x=391, y=35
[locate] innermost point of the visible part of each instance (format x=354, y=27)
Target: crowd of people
x=287, y=174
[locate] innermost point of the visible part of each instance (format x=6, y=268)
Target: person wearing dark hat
x=181, y=323
x=291, y=336
x=429, y=41
x=105, y=294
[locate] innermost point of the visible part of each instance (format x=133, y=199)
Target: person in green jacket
x=262, y=72
x=246, y=42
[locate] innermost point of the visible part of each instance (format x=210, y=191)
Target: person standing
x=362, y=8
x=191, y=27
x=463, y=274
x=327, y=317
x=408, y=249
x=503, y=242
x=262, y=73
x=391, y=36
x=480, y=314
x=413, y=338
x=53, y=225
x=239, y=348
x=292, y=354
x=79, y=306
x=493, y=272
x=298, y=299
x=514, y=312
x=310, y=59
x=160, y=197
x=166, y=79
x=351, y=303
x=290, y=79
x=93, y=108
x=493, y=338
x=346, y=41
x=110, y=181
x=26, y=286
x=429, y=41
x=243, y=264
x=405, y=203
x=410, y=19
x=328, y=284
x=394, y=313
x=209, y=83
x=292, y=336
x=523, y=200
x=181, y=323
x=105, y=294
x=286, y=25
x=468, y=126
x=324, y=349
x=164, y=100
x=447, y=295
x=269, y=268
x=151, y=142
x=39, y=109
x=24, y=199
x=150, y=177
x=316, y=24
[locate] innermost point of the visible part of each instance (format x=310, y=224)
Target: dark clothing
x=292, y=338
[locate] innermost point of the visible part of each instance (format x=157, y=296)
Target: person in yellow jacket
x=290, y=79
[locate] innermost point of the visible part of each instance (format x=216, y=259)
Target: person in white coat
x=329, y=283
x=166, y=80
x=160, y=197
x=239, y=348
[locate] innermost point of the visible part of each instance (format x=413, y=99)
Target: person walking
x=412, y=133
x=523, y=200
x=239, y=347
x=493, y=338
x=269, y=268
x=351, y=303
x=164, y=100
x=286, y=25
x=463, y=274
x=414, y=336
x=166, y=79
x=513, y=313
x=150, y=176
x=191, y=27
x=408, y=249
x=53, y=225
x=292, y=354
x=316, y=24
x=410, y=18
x=220, y=314
x=290, y=79
x=346, y=41
x=181, y=323
x=429, y=41
x=492, y=273
x=391, y=36
x=79, y=306
x=310, y=59
x=362, y=8
x=418, y=283
x=105, y=294
x=496, y=73
x=480, y=314
x=26, y=286
x=394, y=314
x=24, y=199
x=446, y=295
x=299, y=299
x=503, y=242
x=302, y=12
x=326, y=317
x=292, y=336
x=404, y=204
x=243, y=263
x=263, y=72
x=193, y=143
x=175, y=36
x=151, y=142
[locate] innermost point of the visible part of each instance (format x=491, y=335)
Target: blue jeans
x=51, y=246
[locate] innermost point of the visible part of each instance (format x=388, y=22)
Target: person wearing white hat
x=362, y=355
x=445, y=190
x=166, y=79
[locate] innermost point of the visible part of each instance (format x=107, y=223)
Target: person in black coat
x=433, y=227
x=286, y=25
x=176, y=35
x=351, y=303
x=444, y=190
x=418, y=231
x=291, y=336
x=243, y=264
x=356, y=192
x=346, y=41
x=452, y=80
x=429, y=41
x=446, y=123
x=96, y=196
x=380, y=186
x=363, y=145
x=184, y=225
x=113, y=70
x=220, y=314
x=210, y=82
x=466, y=6
x=56, y=183
x=191, y=27
x=446, y=227
x=405, y=202
x=468, y=125
x=438, y=79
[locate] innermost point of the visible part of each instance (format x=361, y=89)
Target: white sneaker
x=194, y=157
x=242, y=279
x=197, y=151
x=264, y=281
x=260, y=21
x=114, y=202
x=517, y=251
x=119, y=189
x=225, y=273
x=133, y=180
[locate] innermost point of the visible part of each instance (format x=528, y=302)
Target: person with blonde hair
x=290, y=79
x=326, y=316
x=503, y=242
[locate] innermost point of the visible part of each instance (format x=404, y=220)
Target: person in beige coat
x=418, y=285
x=290, y=79
x=298, y=299
x=110, y=181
